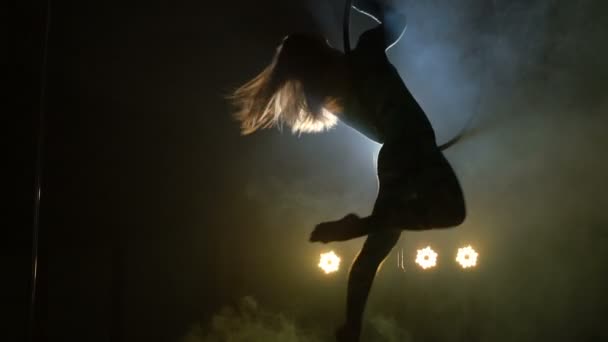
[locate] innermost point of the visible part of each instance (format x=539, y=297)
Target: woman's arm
x=392, y=22
x=370, y=9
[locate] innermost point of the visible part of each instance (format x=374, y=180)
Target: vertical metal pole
x=346, y=26
x=38, y=176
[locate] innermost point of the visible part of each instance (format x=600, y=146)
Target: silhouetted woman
x=308, y=87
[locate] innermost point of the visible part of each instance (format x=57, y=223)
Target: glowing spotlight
x=426, y=258
x=467, y=257
x=330, y=262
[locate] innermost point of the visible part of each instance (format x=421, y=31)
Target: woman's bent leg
x=417, y=192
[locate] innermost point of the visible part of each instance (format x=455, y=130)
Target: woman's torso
x=379, y=104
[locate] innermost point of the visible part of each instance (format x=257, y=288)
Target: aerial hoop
x=466, y=128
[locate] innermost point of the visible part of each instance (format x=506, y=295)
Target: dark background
x=156, y=213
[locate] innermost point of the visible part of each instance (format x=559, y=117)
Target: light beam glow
x=329, y=262
x=467, y=257
x=426, y=258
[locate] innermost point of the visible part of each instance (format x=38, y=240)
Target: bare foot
x=346, y=228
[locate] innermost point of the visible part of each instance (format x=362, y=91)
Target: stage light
x=467, y=257
x=329, y=262
x=426, y=258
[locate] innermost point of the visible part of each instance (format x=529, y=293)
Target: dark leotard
x=417, y=184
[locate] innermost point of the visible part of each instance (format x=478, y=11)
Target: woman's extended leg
x=375, y=249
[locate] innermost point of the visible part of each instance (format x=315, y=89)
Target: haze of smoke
x=248, y=322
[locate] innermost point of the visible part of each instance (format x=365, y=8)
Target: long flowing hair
x=286, y=91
